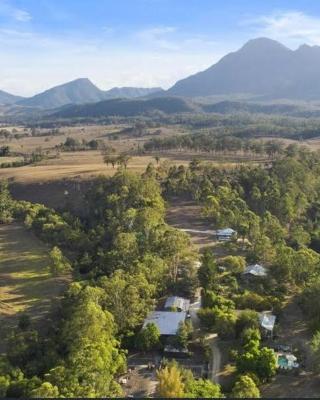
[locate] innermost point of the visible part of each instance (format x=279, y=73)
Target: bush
x=148, y=338
x=245, y=388
x=253, y=301
x=247, y=319
x=225, y=324
x=207, y=317
x=235, y=264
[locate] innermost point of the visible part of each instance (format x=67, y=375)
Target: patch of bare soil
x=186, y=215
x=293, y=331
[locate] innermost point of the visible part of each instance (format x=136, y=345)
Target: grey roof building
x=225, y=234
x=267, y=321
x=255, y=270
x=179, y=303
x=167, y=322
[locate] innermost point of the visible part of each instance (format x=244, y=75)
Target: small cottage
x=267, y=322
x=255, y=270
x=226, y=234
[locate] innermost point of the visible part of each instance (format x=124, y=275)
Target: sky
x=142, y=43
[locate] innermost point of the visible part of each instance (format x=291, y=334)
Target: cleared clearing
x=26, y=285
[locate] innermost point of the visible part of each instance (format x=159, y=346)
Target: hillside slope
x=262, y=67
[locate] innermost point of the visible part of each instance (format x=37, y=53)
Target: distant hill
x=263, y=68
x=126, y=108
x=130, y=92
x=78, y=91
x=7, y=98
x=233, y=107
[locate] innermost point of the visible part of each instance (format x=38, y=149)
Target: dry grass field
x=26, y=285
x=56, y=181
x=82, y=165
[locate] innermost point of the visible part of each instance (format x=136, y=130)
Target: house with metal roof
x=166, y=321
x=225, y=234
x=177, y=303
x=255, y=270
x=267, y=322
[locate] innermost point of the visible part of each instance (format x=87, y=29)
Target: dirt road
x=215, y=363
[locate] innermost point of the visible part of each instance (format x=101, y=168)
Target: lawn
x=26, y=285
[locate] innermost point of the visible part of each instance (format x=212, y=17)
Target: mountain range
x=79, y=91
x=263, y=69
x=7, y=98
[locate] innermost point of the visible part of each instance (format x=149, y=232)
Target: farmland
x=26, y=285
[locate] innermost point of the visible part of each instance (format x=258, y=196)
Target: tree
x=245, y=388
x=315, y=346
x=225, y=322
x=175, y=248
x=183, y=333
x=110, y=159
x=266, y=364
x=247, y=319
x=202, y=388
x=59, y=264
x=170, y=383
x=46, y=390
x=5, y=203
x=148, y=338
x=207, y=271
x=92, y=356
x=234, y=264
x=123, y=160
x=129, y=297
x=4, y=384
x=260, y=361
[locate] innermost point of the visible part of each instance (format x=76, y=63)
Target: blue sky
x=137, y=42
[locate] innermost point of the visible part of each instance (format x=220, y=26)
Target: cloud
x=290, y=27
x=159, y=36
x=9, y=11
x=157, y=56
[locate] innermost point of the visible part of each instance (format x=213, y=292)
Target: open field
x=86, y=164
x=26, y=285
x=124, y=142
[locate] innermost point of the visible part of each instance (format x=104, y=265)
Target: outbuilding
x=177, y=303
x=267, y=322
x=225, y=234
x=255, y=270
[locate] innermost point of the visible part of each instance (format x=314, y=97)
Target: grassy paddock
x=26, y=285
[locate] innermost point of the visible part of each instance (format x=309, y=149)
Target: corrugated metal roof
x=225, y=232
x=167, y=322
x=177, y=302
x=256, y=270
x=267, y=321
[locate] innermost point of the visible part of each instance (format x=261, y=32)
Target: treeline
x=73, y=144
x=36, y=156
x=207, y=143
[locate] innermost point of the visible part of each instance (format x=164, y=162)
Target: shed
x=267, y=321
x=255, y=270
x=225, y=234
x=179, y=303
